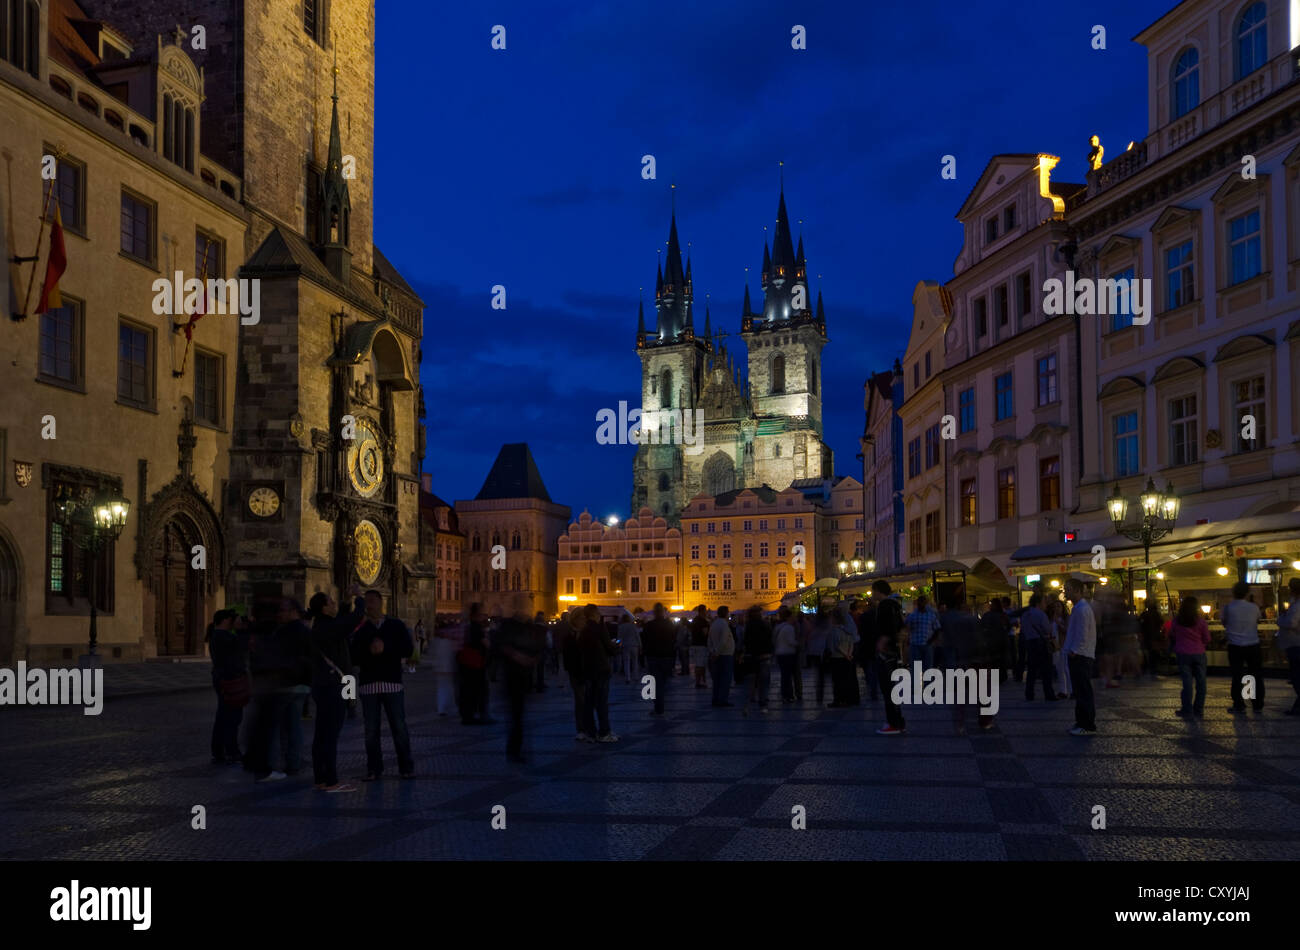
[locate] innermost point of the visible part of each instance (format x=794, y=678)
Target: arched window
x=1252, y=39
x=663, y=481
x=812, y=378
x=514, y=543
x=666, y=389
x=778, y=374
x=1187, y=82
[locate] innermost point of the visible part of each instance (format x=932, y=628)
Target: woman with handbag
x=331, y=659
x=228, y=649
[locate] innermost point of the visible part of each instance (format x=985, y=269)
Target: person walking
x=760, y=649
x=995, y=629
x=596, y=648
x=700, y=645
x=1191, y=635
x=1081, y=648
x=295, y=638
x=843, y=642
x=922, y=626
x=444, y=670
x=1241, y=627
x=571, y=647
x=865, y=620
x=1037, y=635
x=959, y=631
x=786, y=651
x=888, y=628
x=1155, y=642
x=817, y=644
x=379, y=647
x=543, y=635
x=331, y=638
x=271, y=673
x=1288, y=640
x=629, y=644
x=471, y=662
x=1059, y=619
x=659, y=641
x=683, y=633
x=521, y=651
x=722, y=650
x=228, y=649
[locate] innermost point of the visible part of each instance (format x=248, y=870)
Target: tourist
x=629, y=643
x=843, y=640
x=444, y=669
x=866, y=648
x=722, y=649
x=379, y=646
x=922, y=625
x=786, y=650
x=995, y=630
x=1059, y=617
x=1015, y=639
x=759, y=649
x=1081, y=648
x=1038, y=636
x=682, y=630
x=521, y=650
x=295, y=638
x=962, y=650
x=659, y=641
x=572, y=649
x=1191, y=635
x=700, y=645
x=888, y=629
x=1288, y=640
x=228, y=649
x=331, y=658
x=543, y=635
x=1155, y=642
x=1241, y=628
x=817, y=631
x=596, y=648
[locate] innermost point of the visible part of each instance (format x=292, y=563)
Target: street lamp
x=844, y=568
x=97, y=521
x=1159, y=512
x=857, y=566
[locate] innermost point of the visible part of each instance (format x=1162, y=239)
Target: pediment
x=1120, y=385
x=1243, y=345
x=1177, y=366
x=1174, y=215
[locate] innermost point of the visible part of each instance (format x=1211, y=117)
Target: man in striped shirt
x=379, y=646
x=922, y=624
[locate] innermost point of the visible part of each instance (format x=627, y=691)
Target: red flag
x=202, y=307
x=54, y=267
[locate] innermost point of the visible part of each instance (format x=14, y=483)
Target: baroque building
x=635, y=564
x=719, y=422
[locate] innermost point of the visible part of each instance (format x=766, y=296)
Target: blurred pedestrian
x=471, y=662
x=700, y=645
x=379, y=647
x=786, y=651
x=228, y=649
x=331, y=638
x=760, y=648
x=922, y=626
x=962, y=650
x=1155, y=641
x=1288, y=640
x=1241, y=628
x=888, y=632
x=444, y=669
x=629, y=645
x=659, y=641
x=817, y=636
x=543, y=635
x=521, y=651
x=722, y=650
x=1039, y=638
x=1081, y=647
x=1191, y=635
x=596, y=648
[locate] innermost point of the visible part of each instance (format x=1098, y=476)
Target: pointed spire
x=659, y=280
x=746, y=311
x=782, y=249
x=821, y=313
x=640, y=318
x=767, y=263
x=334, y=202
x=674, y=277
x=799, y=261
x=708, y=332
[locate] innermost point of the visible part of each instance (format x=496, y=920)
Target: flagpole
x=189, y=325
x=27, y=299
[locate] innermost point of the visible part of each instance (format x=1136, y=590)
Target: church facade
x=719, y=421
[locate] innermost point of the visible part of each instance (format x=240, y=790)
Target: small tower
x=335, y=204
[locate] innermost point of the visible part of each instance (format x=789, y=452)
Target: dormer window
x=1252, y=39
x=110, y=50
x=20, y=34
x=178, y=132
x=991, y=230
x=1008, y=218
x=1187, y=82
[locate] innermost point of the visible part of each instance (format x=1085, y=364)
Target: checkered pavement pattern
x=697, y=784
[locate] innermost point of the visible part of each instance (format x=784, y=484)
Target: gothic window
x=514, y=544
x=812, y=378
x=778, y=374
x=515, y=582
x=666, y=389
x=663, y=481
x=496, y=538
x=719, y=475
x=476, y=545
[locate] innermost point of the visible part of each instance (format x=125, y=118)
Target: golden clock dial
x=263, y=502
x=365, y=461
x=369, y=552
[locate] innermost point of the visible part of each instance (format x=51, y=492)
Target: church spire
x=821, y=313
x=767, y=265
x=746, y=311
x=782, y=249
x=335, y=203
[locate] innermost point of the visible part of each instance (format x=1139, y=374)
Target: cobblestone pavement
x=701, y=783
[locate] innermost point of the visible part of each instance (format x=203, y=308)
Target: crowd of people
x=284, y=660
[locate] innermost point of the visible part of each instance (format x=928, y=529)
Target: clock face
x=369, y=552
x=263, y=502
x=365, y=461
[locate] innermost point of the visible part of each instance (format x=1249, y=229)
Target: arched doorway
x=10, y=597
x=178, y=594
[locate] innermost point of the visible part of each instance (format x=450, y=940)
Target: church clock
x=369, y=551
x=365, y=461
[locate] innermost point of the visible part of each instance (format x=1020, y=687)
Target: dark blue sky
x=523, y=168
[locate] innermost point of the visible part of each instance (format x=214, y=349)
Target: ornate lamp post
x=97, y=520
x=1159, y=512
x=844, y=567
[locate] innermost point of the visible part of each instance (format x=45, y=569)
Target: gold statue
x=1095, y=154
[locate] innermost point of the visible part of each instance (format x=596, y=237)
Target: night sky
x=523, y=168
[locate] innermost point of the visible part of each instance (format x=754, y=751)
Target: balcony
x=1115, y=171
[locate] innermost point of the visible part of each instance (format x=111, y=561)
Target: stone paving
x=701, y=783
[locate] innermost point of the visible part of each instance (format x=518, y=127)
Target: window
x=713, y=552
x=812, y=378
x=1008, y=218
x=695, y=582
x=1124, y=431
x=780, y=580
x=1252, y=39
x=1182, y=430
x=749, y=550
x=663, y=481
x=209, y=258
x=568, y=585
x=1001, y=309
x=778, y=374
x=966, y=410
x=1248, y=400
x=991, y=230
x=496, y=580
x=313, y=19
x=914, y=538
x=713, y=581
x=932, y=539
x=668, y=584
x=695, y=527
x=747, y=581
x=726, y=527
x=1024, y=297
x=1006, y=493
x=1005, y=396
x=602, y=585
x=651, y=584
x=134, y=365
x=1243, y=247
x=634, y=585
x=709, y=528
x=208, y=379
x=968, y=501
x=762, y=549
x=798, y=522
x=780, y=549
x=932, y=446
x=137, y=228
x=916, y=375
x=1179, y=282
x=780, y=524
x=927, y=365
x=835, y=549
x=914, y=457
x=1047, y=393
x=70, y=189
x=762, y=580
x=1187, y=83
x=762, y=524
x=177, y=132
x=726, y=581
x=695, y=552
x=1121, y=315
x=1049, y=483
x=726, y=552
x=68, y=563
x=748, y=526
x=20, y=26
x=980, y=309
x=61, y=344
